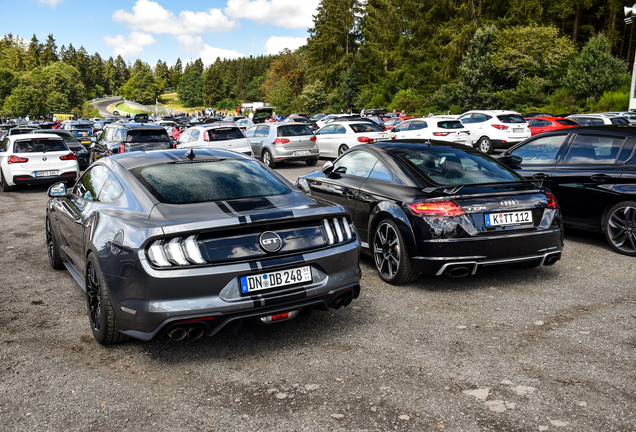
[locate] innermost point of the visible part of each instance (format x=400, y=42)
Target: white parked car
x=338, y=137
x=440, y=128
x=223, y=136
x=598, y=119
x=31, y=159
x=329, y=118
x=629, y=115
x=491, y=129
x=166, y=123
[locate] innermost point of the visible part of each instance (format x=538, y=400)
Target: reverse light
x=280, y=141
x=436, y=208
x=15, y=159
x=552, y=201
x=500, y=127
x=70, y=156
x=192, y=250
x=175, y=254
x=364, y=139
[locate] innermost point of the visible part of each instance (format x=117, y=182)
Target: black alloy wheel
x=485, y=145
x=390, y=255
x=343, y=148
x=51, y=246
x=620, y=228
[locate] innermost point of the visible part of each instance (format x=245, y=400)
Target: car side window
x=594, y=149
x=541, y=150
x=262, y=132
x=339, y=129
x=250, y=133
x=327, y=130
x=381, y=172
x=627, y=151
x=119, y=135
x=357, y=163
x=185, y=137
x=417, y=125
x=466, y=119
x=480, y=118
x=111, y=190
x=91, y=183
x=195, y=135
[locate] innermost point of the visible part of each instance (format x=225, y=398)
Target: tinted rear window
x=364, y=127
x=187, y=183
x=295, y=130
x=619, y=120
x=450, y=124
x=458, y=167
x=567, y=122
x=510, y=118
x=225, y=134
x=39, y=145
x=147, y=135
x=81, y=126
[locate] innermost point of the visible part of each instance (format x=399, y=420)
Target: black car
x=185, y=243
x=81, y=153
x=438, y=208
x=125, y=137
x=592, y=172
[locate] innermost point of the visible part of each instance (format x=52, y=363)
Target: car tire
x=267, y=159
x=5, y=186
x=311, y=162
x=343, y=148
x=485, y=145
x=101, y=313
x=52, y=247
x=391, y=258
x=620, y=228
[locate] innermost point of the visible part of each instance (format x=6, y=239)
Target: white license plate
x=275, y=279
x=517, y=130
x=45, y=173
x=302, y=152
x=509, y=218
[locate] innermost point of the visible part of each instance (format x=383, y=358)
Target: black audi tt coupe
x=439, y=208
x=186, y=243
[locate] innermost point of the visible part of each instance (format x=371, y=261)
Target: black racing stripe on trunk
x=254, y=266
x=251, y=205
x=271, y=216
x=225, y=208
x=285, y=298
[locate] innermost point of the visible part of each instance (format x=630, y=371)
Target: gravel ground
x=544, y=349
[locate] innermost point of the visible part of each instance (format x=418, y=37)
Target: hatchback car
x=438, y=128
x=440, y=208
x=492, y=130
x=126, y=137
x=278, y=142
x=592, y=172
x=338, y=137
x=185, y=243
x=223, y=135
x=81, y=153
x=547, y=124
x=31, y=159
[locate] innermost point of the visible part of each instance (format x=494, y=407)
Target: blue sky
x=166, y=30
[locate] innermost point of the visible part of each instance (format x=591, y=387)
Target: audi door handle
x=540, y=176
x=600, y=177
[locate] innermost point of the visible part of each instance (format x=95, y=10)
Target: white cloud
x=276, y=44
x=129, y=47
x=151, y=17
x=51, y=3
x=209, y=54
x=292, y=14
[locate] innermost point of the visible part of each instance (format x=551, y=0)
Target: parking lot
x=550, y=348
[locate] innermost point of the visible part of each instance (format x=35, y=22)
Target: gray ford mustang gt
x=185, y=243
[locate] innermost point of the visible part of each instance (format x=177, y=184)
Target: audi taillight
x=15, y=159
x=280, y=141
x=364, y=139
x=70, y=156
x=552, y=201
x=500, y=127
x=435, y=208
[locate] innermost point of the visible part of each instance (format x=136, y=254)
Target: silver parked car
x=278, y=142
x=224, y=136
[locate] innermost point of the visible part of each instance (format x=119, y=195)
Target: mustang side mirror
x=327, y=167
x=510, y=160
x=57, y=190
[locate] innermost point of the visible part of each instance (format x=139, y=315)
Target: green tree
x=191, y=88
x=280, y=94
x=142, y=88
x=314, y=97
x=212, y=88
x=24, y=100
x=49, y=52
x=34, y=53
x=9, y=80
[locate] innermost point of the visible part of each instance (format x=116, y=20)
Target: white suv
x=491, y=129
x=598, y=119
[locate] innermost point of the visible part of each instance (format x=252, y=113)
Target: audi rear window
x=510, y=118
x=39, y=146
x=147, y=135
x=294, y=130
x=207, y=181
x=225, y=134
x=364, y=127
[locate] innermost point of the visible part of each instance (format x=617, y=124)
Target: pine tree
x=49, y=53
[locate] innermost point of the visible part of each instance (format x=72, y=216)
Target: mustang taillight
x=15, y=159
x=435, y=208
x=552, y=201
x=70, y=156
x=500, y=127
x=338, y=230
x=176, y=252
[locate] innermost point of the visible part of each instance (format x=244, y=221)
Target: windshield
x=39, y=145
x=225, y=134
x=187, y=183
x=458, y=167
x=145, y=135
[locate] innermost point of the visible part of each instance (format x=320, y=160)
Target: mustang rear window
x=457, y=167
x=225, y=134
x=187, y=183
x=44, y=145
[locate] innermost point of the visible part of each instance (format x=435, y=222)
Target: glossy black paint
x=433, y=242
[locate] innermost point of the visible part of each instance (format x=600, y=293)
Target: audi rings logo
x=270, y=241
x=509, y=203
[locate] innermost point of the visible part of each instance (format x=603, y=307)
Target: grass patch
x=172, y=101
x=122, y=108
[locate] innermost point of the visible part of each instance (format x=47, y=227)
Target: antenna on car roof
x=190, y=154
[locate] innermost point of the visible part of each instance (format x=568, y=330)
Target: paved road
x=550, y=348
x=102, y=106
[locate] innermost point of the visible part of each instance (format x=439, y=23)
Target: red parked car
x=548, y=124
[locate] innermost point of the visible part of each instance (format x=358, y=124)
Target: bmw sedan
x=184, y=243
x=439, y=208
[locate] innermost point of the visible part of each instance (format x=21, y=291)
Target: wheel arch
x=391, y=210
